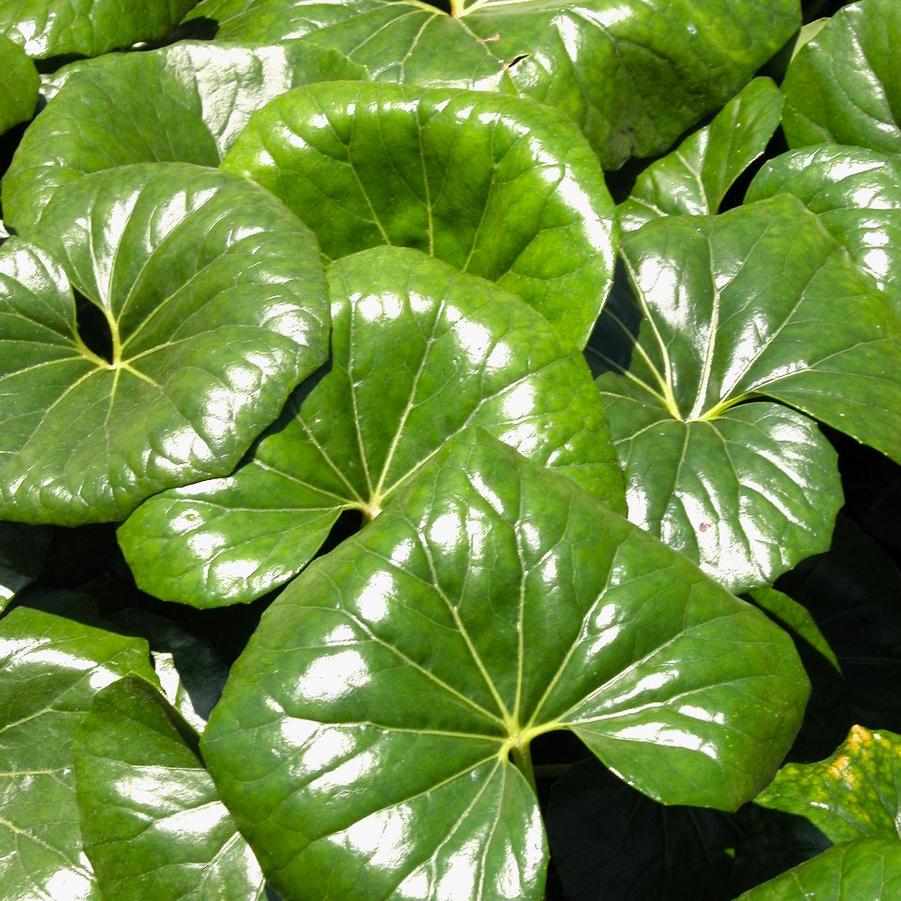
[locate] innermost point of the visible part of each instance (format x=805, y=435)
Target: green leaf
x=844, y=85
x=184, y=103
x=210, y=301
x=759, y=303
x=50, y=668
x=869, y=868
x=633, y=76
x=857, y=195
x=50, y=28
x=796, y=617
x=855, y=793
x=693, y=179
x=420, y=352
x=152, y=821
x=497, y=186
x=22, y=552
x=364, y=737
x=19, y=85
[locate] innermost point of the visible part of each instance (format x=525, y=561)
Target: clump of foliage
x=450, y=452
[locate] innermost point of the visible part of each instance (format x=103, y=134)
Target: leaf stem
x=457, y=7
x=519, y=753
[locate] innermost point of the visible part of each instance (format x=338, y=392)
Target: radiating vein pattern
x=728, y=315
x=420, y=354
x=213, y=297
x=394, y=681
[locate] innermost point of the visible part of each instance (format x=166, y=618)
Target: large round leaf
x=19, y=84
x=50, y=668
x=210, y=298
x=152, y=822
x=869, y=868
x=757, y=303
x=185, y=103
x=497, y=186
x=364, y=738
x=47, y=28
x=693, y=179
x=857, y=195
x=633, y=75
x=844, y=85
x=855, y=793
x=420, y=352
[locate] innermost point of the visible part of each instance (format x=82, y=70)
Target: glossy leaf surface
x=693, y=179
x=746, y=495
x=855, y=793
x=362, y=741
x=22, y=551
x=496, y=186
x=50, y=667
x=420, y=353
x=869, y=868
x=757, y=303
x=152, y=821
x=183, y=103
x=212, y=300
x=49, y=28
x=857, y=195
x=844, y=86
x=633, y=75
x=19, y=83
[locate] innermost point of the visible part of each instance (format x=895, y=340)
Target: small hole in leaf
x=516, y=60
x=93, y=328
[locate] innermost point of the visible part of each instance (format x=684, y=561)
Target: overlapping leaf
x=855, y=793
x=48, y=28
x=19, y=84
x=759, y=303
x=797, y=618
x=633, y=76
x=152, y=822
x=420, y=353
x=362, y=742
x=857, y=195
x=212, y=301
x=869, y=868
x=50, y=668
x=844, y=86
x=693, y=179
x=184, y=103
x=497, y=186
